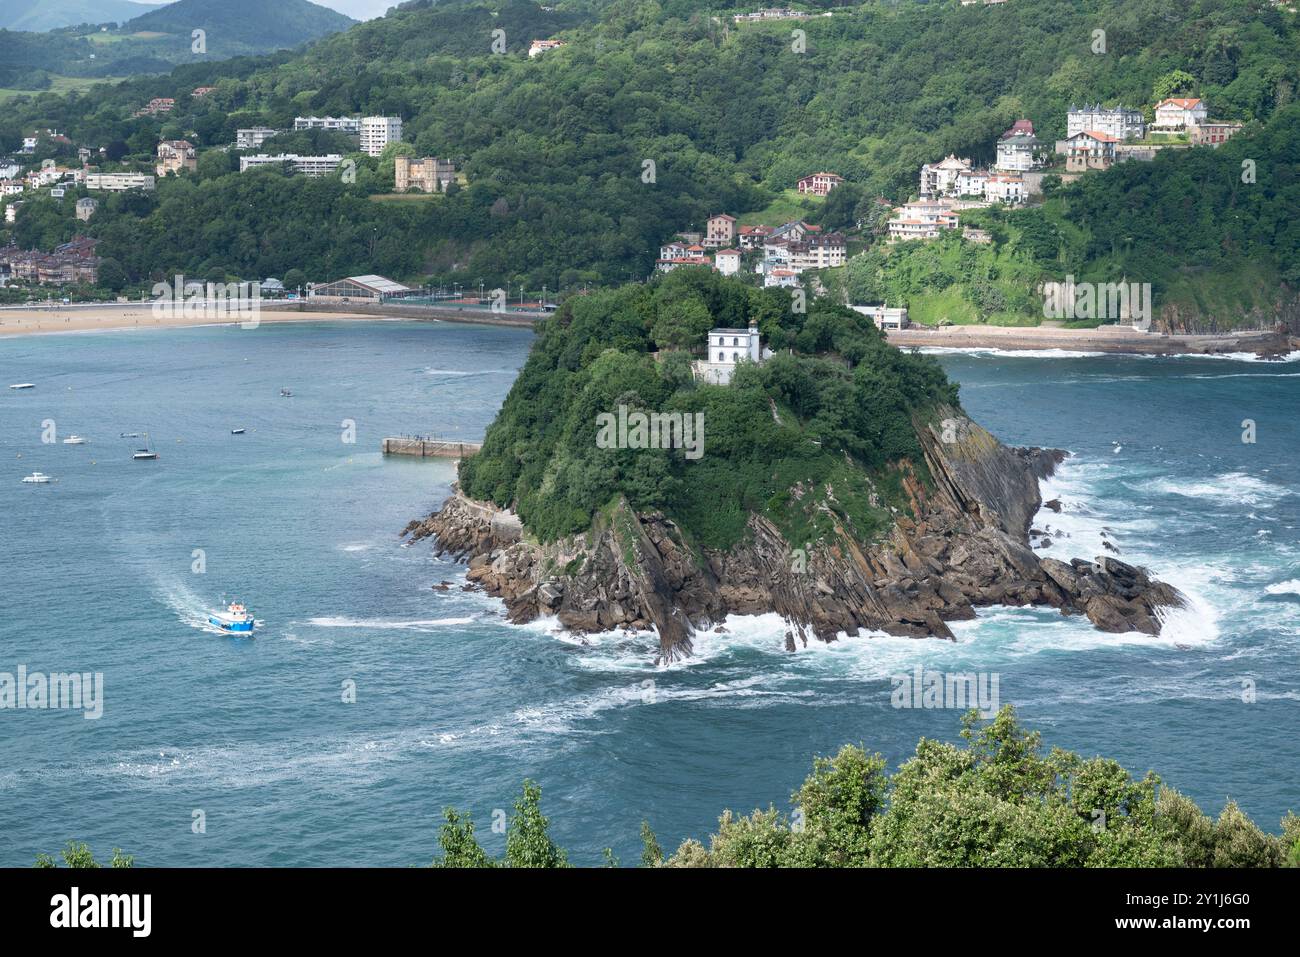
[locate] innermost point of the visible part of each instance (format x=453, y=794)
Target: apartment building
x=254, y=137
x=118, y=182
x=378, y=131
x=314, y=166
x=339, y=124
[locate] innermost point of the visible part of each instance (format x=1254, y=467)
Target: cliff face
x=967, y=546
x=1281, y=317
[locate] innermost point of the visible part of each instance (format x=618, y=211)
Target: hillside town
x=1096, y=139
x=70, y=262
x=775, y=253
x=75, y=262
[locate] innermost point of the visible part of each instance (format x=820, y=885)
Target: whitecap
x=1232, y=487
x=1291, y=587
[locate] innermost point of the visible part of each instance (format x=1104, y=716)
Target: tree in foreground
x=79, y=855
x=995, y=801
x=527, y=842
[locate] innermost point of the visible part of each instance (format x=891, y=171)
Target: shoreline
x=1106, y=339
x=22, y=321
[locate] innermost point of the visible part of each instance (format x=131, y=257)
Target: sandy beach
x=1112, y=339
x=141, y=315
x=138, y=316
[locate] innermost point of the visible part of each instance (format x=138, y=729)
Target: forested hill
x=36, y=15
x=251, y=24
x=156, y=40
x=554, y=148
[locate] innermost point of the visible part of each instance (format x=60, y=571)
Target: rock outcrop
x=965, y=545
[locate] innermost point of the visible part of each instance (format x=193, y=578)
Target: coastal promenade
x=1114, y=339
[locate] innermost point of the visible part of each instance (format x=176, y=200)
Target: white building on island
x=727, y=349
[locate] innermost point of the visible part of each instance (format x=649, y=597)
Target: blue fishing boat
x=236, y=619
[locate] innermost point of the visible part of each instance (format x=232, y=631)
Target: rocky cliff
x=965, y=544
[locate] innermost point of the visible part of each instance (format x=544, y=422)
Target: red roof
x=1099, y=137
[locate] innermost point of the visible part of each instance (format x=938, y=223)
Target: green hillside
x=235, y=26
x=555, y=148
x=40, y=15
x=156, y=41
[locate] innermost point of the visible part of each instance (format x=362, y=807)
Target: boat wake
x=190, y=609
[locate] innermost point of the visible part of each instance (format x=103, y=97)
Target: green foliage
x=998, y=801
x=527, y=841
x=836, y=390
x=459, y=847
x=652, y=855
x=79, y=856
x=1174, y=83
x=553, y=146
x=233, y=28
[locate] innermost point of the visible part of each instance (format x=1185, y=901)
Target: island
x=682, y=450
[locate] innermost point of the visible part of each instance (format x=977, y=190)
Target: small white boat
x=74, y=440
x=236, y=431
x=145, y=453
x=38, y=478
x=236, y=619
x=23, y=385
x=286, y=394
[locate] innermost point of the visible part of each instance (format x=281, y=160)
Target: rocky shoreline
x=968, y=547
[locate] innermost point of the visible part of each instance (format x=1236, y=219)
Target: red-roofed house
x=819, y=184
x=1177, y=114
x=1019, y=128
x=1089, y=150
x=751, y=237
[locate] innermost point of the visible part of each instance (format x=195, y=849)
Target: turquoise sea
x=101, y=572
